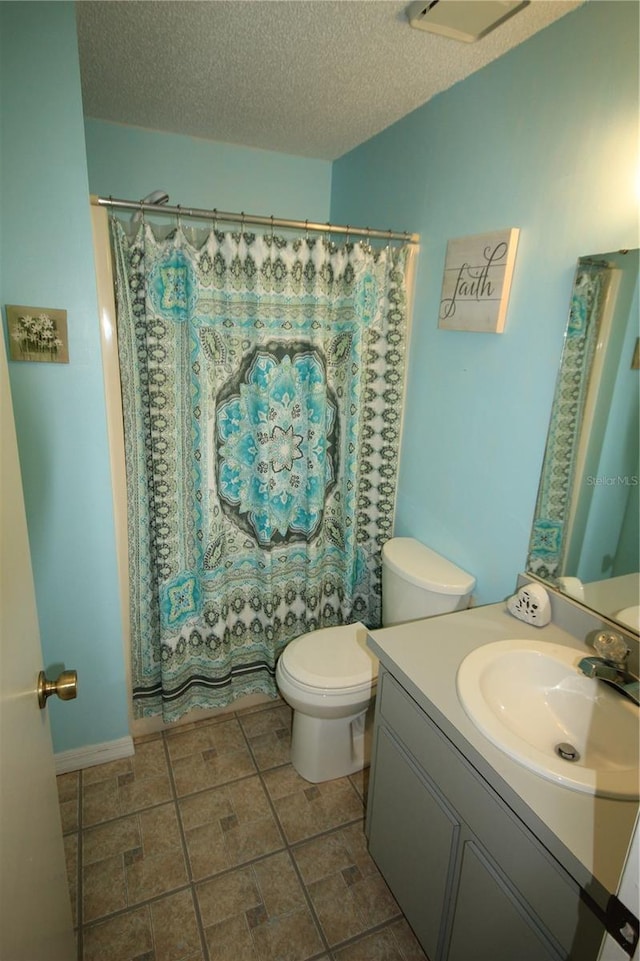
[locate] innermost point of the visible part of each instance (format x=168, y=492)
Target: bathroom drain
x=567, y=751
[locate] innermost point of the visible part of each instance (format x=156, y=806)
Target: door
x=490, y=922
x=415, y=851
x=35, y=913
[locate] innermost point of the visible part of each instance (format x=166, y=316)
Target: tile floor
x=208, y=846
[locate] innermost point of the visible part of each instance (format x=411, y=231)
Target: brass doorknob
x=65, y=686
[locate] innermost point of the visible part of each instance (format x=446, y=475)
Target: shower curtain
x=548, y=542
x=262, y=383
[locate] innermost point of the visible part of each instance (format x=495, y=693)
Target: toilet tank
x=417, y=582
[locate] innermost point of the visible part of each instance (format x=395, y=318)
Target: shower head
x=156, y=197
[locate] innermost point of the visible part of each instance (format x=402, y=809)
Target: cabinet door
x=490, y=922
x=413, y=840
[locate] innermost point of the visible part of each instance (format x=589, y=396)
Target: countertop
x=588, y=835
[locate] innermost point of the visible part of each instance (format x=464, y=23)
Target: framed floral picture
x=38, y=334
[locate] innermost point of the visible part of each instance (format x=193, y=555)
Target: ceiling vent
x=465, y=20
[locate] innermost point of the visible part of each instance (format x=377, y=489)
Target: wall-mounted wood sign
x=476, y=281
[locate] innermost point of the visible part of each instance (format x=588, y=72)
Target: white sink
x=630, y=616
x=528, y=697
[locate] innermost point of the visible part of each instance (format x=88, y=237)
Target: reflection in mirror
x=585, y=535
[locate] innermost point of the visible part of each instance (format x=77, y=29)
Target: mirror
x=585, y=535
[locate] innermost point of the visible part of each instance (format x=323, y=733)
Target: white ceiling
x=308, y=77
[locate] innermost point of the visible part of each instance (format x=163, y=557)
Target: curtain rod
x=243, y=219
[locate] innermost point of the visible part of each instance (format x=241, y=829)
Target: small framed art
x=38, y=334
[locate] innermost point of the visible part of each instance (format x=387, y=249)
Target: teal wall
x=47, y=261
x=128, y=163
x=544, y=139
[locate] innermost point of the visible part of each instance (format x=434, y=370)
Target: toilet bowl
x=329, y=676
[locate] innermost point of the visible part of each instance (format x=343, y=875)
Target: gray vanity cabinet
x=471, y=879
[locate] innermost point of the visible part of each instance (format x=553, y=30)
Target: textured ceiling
x=308, y=77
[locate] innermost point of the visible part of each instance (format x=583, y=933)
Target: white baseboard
x=81, y=757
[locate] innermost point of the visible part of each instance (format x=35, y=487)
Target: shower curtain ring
x=272, y=229
x=178, y=218
x=215, y=218
x=242, y=224
x=348, y=229
x=306, y=230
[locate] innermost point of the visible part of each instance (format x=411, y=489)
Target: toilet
x=329, y=676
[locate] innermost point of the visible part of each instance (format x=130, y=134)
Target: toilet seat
x=333, y=659
x=313, y=693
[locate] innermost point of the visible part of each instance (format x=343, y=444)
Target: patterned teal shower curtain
x=262, y=382
x=548, y=542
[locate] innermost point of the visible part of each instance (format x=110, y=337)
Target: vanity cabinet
x=470, y=877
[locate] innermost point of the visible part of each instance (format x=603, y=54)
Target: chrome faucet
x=611, y=665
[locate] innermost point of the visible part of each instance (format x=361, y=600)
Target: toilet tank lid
x=419, y=565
